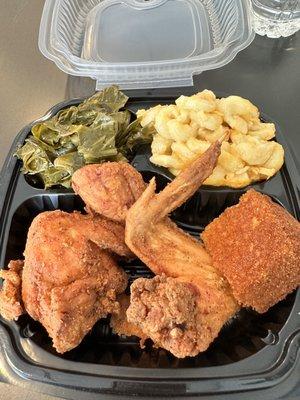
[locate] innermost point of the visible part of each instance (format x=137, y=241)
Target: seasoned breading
x=120, y=323
x=157, y=241
x=167, y=310
x=69, y=282
x=183, y=315
x=11, y=305
x=256, y=245
x=165, y=249
x=108, y=189
x=199, y=296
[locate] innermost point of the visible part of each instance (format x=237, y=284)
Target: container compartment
x=259, y=351
x=240, y=338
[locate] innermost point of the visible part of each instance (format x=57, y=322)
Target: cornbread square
x=256, y=245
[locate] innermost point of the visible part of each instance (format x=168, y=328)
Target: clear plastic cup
x=276, y=18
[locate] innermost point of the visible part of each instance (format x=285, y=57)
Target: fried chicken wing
x=157, y=241
x=69, y=281
x=195, y=299
x=108, y=189
x=11, y=305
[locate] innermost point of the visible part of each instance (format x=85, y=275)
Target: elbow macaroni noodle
x=186, y=129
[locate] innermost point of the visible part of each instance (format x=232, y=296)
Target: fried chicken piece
x=180, y=314
x=11, y=305
x=256, y=245
x=104, y=200
x=120, y=324
x=108, y=189
x=157, y=241
x=69, y=282
x=165, y=249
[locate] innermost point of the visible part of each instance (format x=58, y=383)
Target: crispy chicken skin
x=120, y=324
x=108, y=189
x=70, y=278
x=69, y=282
x=104, y=199
x=166, y=308
x=170, y=251
x=198, y=289
x=182, y=315
x=11, y=305
x=256, y=245
x=157, y=241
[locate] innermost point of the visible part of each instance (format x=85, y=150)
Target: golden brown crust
x=183, y=315
x=108, y=189
x=256, y=245
x=69, y=282
x=11, y=305
x=120, y=324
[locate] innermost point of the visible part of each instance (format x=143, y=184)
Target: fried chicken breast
x=70, y=276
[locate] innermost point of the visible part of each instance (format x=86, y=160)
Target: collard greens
x=96, y=130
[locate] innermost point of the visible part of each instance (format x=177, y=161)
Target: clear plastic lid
x=143, y=43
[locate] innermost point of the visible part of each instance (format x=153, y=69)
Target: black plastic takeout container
x=255, y=356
